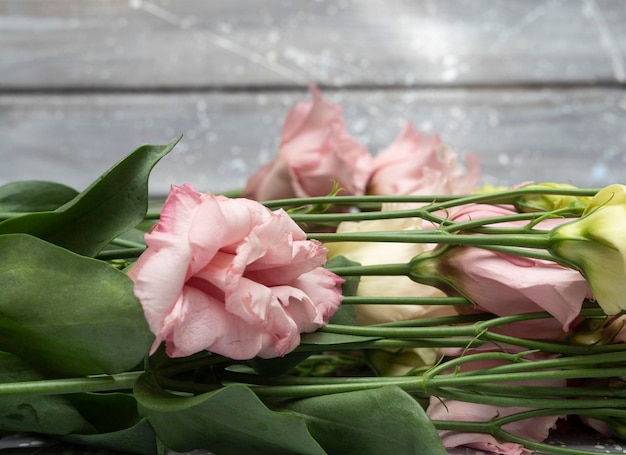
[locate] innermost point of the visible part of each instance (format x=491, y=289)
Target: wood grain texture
x=569, y=136
x=141, y=44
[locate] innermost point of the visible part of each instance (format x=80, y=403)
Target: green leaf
x=99, y=420
x=229, y=421
x=112, y=205
x=107, y=412
x=66, y=314
x=369, y=422
x=277, y=365
x=34, y=196
x=53, y=415
x=138, y=439
x=346, y=315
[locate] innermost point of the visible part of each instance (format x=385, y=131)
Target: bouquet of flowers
x=341, y=303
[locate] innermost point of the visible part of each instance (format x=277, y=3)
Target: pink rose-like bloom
x=535, y=429
x=316, y=151
x=416, y=163
x=231, y=277
x=506, y=284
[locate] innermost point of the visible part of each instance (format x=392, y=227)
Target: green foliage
x=232, y=420
x=112, y=205
x=34, y=196
x=381, y=420
x=138, y=439
x=347, y=313
x=229, y=421
x=67, y=314
x=52, y=415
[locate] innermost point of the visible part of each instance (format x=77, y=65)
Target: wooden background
x=534, y=88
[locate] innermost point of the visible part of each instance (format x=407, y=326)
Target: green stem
x=121, y=381
x=437, y=202
x=525, y=252
x=540, y=446
x=373, y=270
x=383, y=300
x=454, y=393
x=494, y=427
x=517, y=363
x=539, y=240
x=357, y=216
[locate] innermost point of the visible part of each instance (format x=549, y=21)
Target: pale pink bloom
x=506, y=284
x=535, y=429
x=231, y=277
x=416, y=163
x=316, y=151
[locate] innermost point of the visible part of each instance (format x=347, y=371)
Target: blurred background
x=534, y=88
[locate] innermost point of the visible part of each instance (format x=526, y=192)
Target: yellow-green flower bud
x=540, y=202
x=595, y=244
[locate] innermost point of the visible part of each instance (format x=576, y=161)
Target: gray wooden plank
x=145, y=44
x=569, y=136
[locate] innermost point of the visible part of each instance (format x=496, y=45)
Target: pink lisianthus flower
x=535, y=429
x=416, y=163
x=231, y=277
x=316, y=152
x=506, y=284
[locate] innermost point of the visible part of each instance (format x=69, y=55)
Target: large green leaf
x=107, y=412
x=138, y=439
x=369, y=422
x=100, y=420
x=34, y=196
x=67, y=314
x=229, y=421
x=113, y=204
x=53, y=415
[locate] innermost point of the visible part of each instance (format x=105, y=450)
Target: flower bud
x=595, y=244
x=402, y=362
x=539, y=202
x=504, y=284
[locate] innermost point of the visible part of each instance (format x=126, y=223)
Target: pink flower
x=316, y=151
x=505, y=284
x=417, y=163
x=231, y=277
x=535, y=429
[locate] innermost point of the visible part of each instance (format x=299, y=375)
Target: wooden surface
x=534, y=88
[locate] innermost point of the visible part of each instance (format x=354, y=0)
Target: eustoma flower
x=416, y=163
x=316, y=152
x=535, y=429
x=231, y=277
x=596, y=245
x=505, y=284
